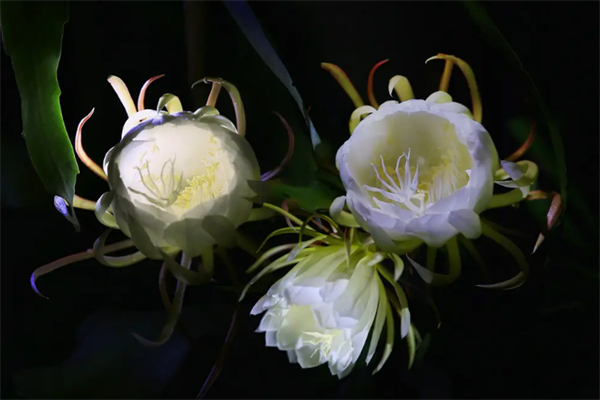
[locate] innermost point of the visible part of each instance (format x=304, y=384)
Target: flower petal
x=336, y=210
x=466, y=222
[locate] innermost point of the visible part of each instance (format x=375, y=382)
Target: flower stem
x=506, y=199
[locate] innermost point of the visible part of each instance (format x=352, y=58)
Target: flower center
x=171, y=189
x=323, y=341
x=405, y=187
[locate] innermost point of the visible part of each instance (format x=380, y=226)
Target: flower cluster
x=416, y=174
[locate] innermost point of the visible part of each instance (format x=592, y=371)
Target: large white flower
x=418, y=171
x=421, y=171
x=178, y=180
x=172, y=174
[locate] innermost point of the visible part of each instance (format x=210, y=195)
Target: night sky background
x=539, y=341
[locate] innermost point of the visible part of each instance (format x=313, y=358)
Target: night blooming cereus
x=324, y=308
x=422, y=171
x=178, y=184
x=415, y=172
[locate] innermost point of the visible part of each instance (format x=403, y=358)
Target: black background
x=490, y=345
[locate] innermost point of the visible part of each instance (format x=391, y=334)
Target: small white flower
x=322, y=311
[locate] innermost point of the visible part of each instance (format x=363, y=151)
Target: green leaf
x=481, y=18
x=313, y=197
x=250, y=26
x=32, y=35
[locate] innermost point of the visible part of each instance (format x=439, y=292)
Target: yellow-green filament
x=214, y=94
x=84, y=204
x=121, y=89
x=140, y=104
x=357, y=116
x=174, y=311
x=95, y=168
x=401, y=85
x=470, y=77
x=370, y=92
x=171, y=102
x=445, y=80
x=506, y=199
x=514, y=251
x=236, y=99
x=340, y=76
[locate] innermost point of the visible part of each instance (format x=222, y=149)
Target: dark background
x=540, y=341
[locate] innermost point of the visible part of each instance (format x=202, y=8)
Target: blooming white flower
x=322, y=310
x=178, y=180
x=421, y=171
x=172, y=173
x=418, y=171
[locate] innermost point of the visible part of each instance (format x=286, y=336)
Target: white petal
x=466, y=222
x=318, y=272
x=453, y=108
x=336, y=210
x=439, y=97
x=292, y=356
x=259, y=307
x=512, y=169
x=307, y=356
x=303, y=295
x=299, y=319
x=332, y=290
x=325, y=316
x=433, y=229
x=271, y=338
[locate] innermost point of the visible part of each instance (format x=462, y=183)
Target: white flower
x=323, y=309
x=418, y=171
x=177, y=178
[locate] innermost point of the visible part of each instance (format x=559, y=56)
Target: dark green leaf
x=540, y=152
x=249, y=24
x=314, y=197
x=481, y=18
x=32, y=35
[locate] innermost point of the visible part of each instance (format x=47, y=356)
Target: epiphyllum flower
x=421, y=171
x=324, y=309
x=178, y=184
x=179, y=181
